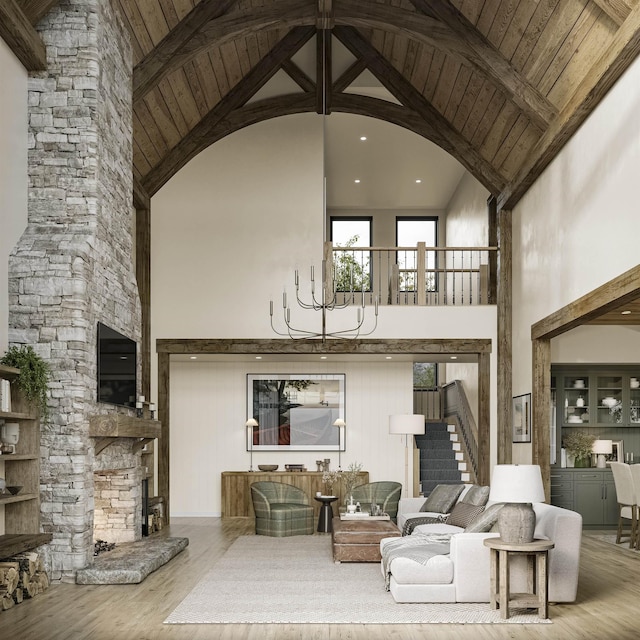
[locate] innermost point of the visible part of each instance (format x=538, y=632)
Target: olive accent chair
x=281, y=510
x=385, y=494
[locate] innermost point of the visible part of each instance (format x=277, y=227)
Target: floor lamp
x=250, y=423
x=406, y=425
x=341, y=424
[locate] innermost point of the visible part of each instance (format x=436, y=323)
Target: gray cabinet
x=590, y=492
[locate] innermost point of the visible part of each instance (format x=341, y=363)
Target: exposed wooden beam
x=606, y=70
x=483, y=55
x=610, y=295
x=149, y=71
x=141, y=199
x=35, y=10
x=617, y=10
x=176, y=50
x=298, y=76
x=345, y=80
x=199, y=137
x=442, y=133
x=323, y=72
x=541, y=408
x=484, y=419
x=18, y=32
x=143, y=278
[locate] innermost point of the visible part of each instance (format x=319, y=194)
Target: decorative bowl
x=267, y=467
x=14, y=490
x=609, y=402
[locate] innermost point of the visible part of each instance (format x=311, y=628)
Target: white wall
x=13, y=170
x=577, y=228
x=597, y=344
x=227, y=233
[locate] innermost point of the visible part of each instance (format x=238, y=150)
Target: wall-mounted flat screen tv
x=117, y=367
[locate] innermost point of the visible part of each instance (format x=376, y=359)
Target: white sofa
x=463, y=575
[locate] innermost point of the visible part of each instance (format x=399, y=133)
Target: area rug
x=294, y=580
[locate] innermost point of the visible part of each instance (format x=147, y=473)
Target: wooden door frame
x=165, y=348
x=611, y=295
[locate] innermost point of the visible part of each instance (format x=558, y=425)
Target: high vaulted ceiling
x=501, y=85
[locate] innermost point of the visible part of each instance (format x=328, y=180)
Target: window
x=352, y=269
x=410, y=231
x=425, y=375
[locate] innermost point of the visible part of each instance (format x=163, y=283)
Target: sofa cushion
x=477, y=495
x=437, y=570
x=463, y=514
x=486, y=520
x=442, y=498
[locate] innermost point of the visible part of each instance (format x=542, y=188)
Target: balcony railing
x=413, y=276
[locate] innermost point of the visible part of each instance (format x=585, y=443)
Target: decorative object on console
x=602, y=448
x=341, y=424
x=579, y=444
x=329, y=478
x=250, y=424
x=406, y=425
x=350, y=478
x=268, y=467
x=9, y=434
x=518, y=485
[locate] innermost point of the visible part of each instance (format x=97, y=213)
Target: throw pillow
x=464, y=514
x=477, y=495
x=486, y=520
x=442, y=498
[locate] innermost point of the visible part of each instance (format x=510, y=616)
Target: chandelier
x=326, y=297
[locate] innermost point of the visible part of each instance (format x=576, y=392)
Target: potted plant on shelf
x=579, y=444
x=34, y=375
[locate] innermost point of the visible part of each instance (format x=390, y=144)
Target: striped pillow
x=442, y=498
x=485, y=521
x=463, y=514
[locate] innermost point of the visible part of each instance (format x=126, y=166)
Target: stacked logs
x=21, y=576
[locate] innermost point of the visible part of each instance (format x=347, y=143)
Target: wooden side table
x=537, y=576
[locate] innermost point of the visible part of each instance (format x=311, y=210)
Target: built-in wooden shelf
x=13, y=543
x=108, y=427
x=6, y=498
x=14, y=415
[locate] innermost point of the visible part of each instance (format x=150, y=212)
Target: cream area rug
x=294, y=580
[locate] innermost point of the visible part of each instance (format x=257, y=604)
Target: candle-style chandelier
x=327, y=296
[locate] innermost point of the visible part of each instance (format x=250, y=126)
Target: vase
x=582, y=463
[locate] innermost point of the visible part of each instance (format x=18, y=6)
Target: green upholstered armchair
x=281, y=510
x=385, y=494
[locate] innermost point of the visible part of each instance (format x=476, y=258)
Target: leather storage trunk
x=359, y=540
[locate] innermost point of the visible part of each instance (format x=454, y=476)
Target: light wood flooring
x=607, y=605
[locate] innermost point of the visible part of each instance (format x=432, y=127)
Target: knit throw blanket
x=412, y=523
x=418, y=547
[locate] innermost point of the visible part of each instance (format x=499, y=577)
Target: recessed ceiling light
x=626, y=312
x=357, y=180
x=454, y=357
x=418, y=181
x=258, y=357
x=388, y=357
x=323, y=357
x=193, y=357
x=363, y=138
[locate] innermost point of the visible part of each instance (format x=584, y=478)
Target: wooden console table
x=236, y=492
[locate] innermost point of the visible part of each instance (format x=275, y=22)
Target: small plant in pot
x=34, y=376
x=579, y=445
x=350, y=480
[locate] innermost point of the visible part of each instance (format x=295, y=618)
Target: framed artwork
x=295, y=412
x=522, y=418
x=617, y=451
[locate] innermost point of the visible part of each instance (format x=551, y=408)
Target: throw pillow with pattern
x=477, y=495
x=442, y=498
x=486, y=520
x=463, y=514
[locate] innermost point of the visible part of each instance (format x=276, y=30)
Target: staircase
x=441, y=458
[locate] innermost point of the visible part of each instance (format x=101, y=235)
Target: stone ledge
x=132, y=562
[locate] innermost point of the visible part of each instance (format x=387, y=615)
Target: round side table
x=537, y=576
x=326, y=513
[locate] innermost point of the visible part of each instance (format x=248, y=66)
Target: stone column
x=74, y=264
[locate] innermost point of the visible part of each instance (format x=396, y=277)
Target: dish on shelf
x=609, y=402
x=267, y=467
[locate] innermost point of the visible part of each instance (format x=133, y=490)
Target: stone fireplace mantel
x=108, y=427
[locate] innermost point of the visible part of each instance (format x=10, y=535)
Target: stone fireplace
x=74, y=266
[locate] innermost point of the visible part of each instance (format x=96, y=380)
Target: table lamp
x=341, y=424
x=250, y=423
x=602, y=448
x=406, y=425
x=517, y=485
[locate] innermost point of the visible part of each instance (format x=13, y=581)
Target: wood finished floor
x=607, y=605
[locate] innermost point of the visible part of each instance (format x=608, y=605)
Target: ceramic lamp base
x=517, y=522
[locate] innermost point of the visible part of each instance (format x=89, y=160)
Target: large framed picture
x=522, y=418
x=295, y=412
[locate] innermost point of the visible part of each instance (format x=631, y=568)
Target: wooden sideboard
x=236, y=492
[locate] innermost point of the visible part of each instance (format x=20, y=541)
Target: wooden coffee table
x=359, y=540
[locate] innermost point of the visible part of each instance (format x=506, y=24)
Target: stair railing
x=456, y=405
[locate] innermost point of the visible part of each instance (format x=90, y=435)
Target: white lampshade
x=339, y=423
x=407, y=424
x=603, y=446
x=516, y=483
x=251, y=422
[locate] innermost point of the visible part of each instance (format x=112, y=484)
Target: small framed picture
x=522, y=418
x=617, y=451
